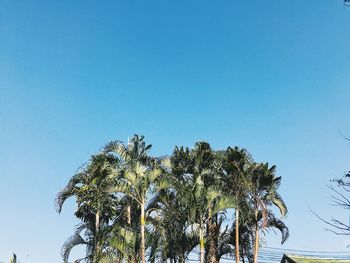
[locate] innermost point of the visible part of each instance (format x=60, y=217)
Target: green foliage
x=130, y=202
x=95, y=206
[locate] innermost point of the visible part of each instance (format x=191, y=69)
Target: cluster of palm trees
x=135, y=207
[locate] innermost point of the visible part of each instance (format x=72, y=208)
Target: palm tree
x=191, y=167
x=169, y=238
x=182, y=200
x=263, y=194
x=137, y=175
x=85, y=234
x=218, y=239
x=247, y=233
x=236, y=167
x=95, y=207
x=197, y=171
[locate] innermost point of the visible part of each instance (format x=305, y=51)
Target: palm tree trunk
x=142, y=221
x=211, y=239
x=128, y=219
x=201, y=245
x=97, y=237
x=210, y=244
x=128, y=215
x=256, y=247
x=237, y=235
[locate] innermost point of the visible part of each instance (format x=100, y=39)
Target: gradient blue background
x=270, y=76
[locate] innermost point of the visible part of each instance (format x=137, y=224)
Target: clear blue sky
x=270, y=76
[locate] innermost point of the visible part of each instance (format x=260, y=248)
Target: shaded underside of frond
x=69, y=190
x=73, y=241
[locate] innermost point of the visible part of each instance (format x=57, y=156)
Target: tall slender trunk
x=142, y=221
x=201, y=244
x=97, y=237
x=128, y=219
x=237, y=235
x=211, y=244
x=256, y=247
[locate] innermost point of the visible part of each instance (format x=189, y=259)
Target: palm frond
x=68, y=190
x=280, y=225
x=71, y=242
x=279, y=203
x=118, y=148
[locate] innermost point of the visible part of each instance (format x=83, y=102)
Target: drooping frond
x=274, y=222
x=123, y=240
x=225, y=243
x=69, y=190
x=73, y=241
x=118, y=148
x=279, y=203
x=124, y=187
x=223, y=202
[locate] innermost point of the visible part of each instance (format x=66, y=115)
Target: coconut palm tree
x=95, y=207
x=138, y=175
x=263, y=194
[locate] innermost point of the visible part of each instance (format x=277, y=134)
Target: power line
x=307, y=251
x=274, y=254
